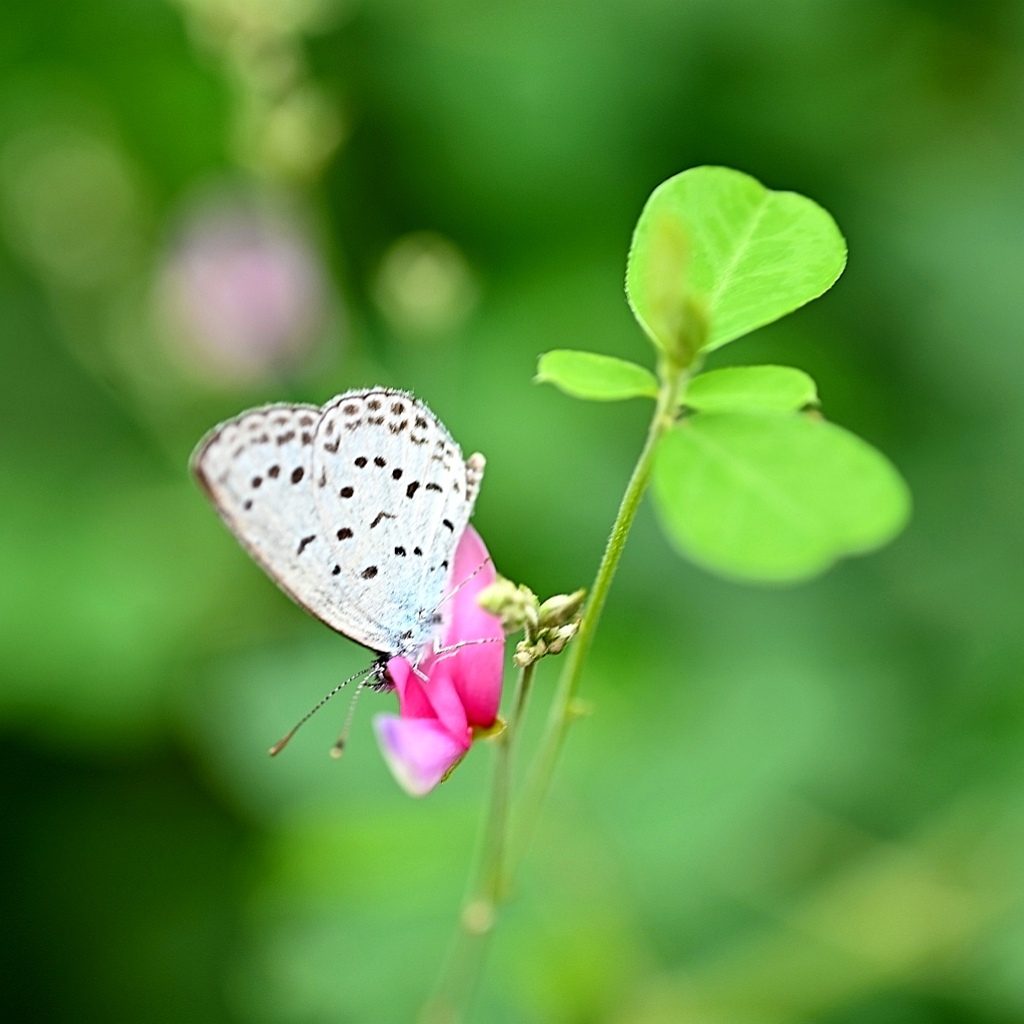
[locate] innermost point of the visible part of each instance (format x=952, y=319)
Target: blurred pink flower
x=447, y=694
x=242, y=292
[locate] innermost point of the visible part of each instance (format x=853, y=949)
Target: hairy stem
x=562, y=711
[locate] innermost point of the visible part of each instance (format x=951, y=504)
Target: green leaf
x=754, y=255
x=751, y=389
x=774, y=498
x=674, y=318
x=595, y=377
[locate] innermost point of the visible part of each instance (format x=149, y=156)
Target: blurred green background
x=789, y=805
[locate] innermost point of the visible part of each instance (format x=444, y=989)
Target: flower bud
x=560, y=609
x=559, y=636
x=528, y=652
x=516, y=606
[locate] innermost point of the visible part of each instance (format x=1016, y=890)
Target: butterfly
x=354, y=509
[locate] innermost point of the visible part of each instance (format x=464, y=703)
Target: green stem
x=479, y=912
x=561, y=713
x=497, y=861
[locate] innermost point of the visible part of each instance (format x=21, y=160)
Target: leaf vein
x=734, y=260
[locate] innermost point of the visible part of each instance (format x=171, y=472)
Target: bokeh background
x=789, y=805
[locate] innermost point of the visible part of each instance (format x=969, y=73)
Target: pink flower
x=447, y=695
x=242, y=294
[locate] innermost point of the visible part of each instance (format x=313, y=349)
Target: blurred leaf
x=755, y=255
x=595, y=377
x=774, y=498
x=751, y=389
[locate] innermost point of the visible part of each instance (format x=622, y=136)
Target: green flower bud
x=560, y=609
x=559, y=636
x=516, y=606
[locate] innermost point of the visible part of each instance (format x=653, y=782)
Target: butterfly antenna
x=446, y=652
x=458, y=586
x=283, y=742
x=339, y=747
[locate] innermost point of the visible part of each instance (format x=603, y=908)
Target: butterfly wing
x=393, y=495
x=257, y=469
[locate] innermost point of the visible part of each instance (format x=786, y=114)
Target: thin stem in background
x=476, y=922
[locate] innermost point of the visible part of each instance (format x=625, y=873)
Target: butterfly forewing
x=355, y=510
x=393, y=496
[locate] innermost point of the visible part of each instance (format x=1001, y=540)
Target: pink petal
x=436, y=698
x=476, y=669
x=468, y=619
x=476, y=675
x=412, y=697
x=419, y=751
x=446, y=700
